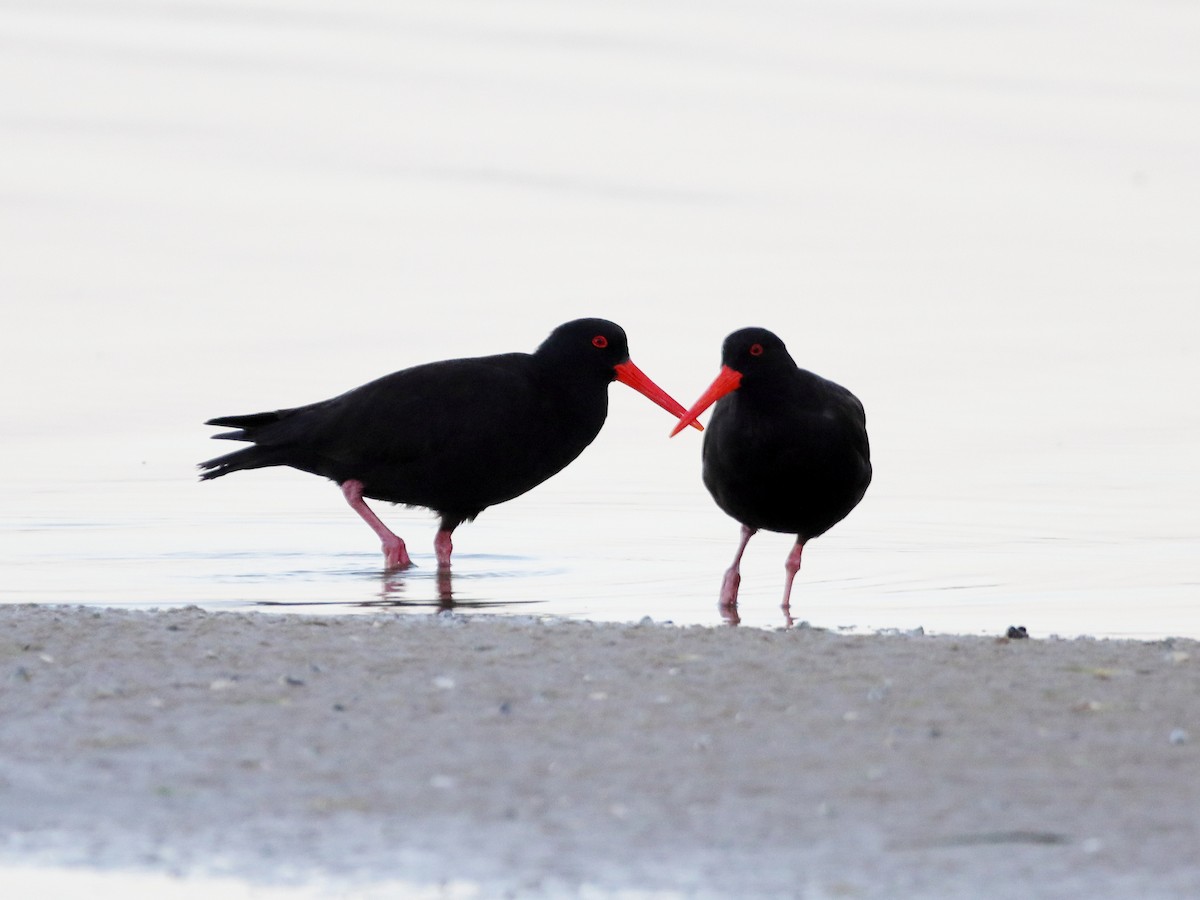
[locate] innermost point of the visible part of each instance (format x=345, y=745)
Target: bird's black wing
x=849, y=410
x=411, y=414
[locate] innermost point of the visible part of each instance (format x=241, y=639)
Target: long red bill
x=727, y=380
x=628, y=373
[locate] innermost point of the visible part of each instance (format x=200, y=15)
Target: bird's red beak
x=628, y=373
x=727, y=380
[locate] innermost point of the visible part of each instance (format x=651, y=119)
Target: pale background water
x=982, y=217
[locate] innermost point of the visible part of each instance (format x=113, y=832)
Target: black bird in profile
x=785, y=450
x=455, y=436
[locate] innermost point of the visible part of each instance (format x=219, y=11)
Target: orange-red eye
x=600, y=341
x=756, y=349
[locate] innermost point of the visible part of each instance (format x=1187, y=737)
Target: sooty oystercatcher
x=455, y=436
x=785, y=450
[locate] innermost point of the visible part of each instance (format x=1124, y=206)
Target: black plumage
x=785, y=450
x=455, y=436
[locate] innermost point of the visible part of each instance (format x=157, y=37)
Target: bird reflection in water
x=392, y=591
x=393, y=586
x=728, y=608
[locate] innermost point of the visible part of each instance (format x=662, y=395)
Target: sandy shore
x=527, y=758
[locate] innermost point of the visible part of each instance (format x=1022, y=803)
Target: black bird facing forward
x=455, y=436
x=785, y=450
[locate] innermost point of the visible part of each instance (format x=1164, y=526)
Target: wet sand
x=520, y=757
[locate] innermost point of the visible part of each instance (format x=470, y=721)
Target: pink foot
x=729, y=587
x=791, y=567
x=443, y=547
x=395, y=554
x=733, y=580
x=733, y=575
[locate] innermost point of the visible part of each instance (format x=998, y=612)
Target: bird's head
x=747, y=355
x=601, y=346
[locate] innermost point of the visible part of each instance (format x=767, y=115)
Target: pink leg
x=395, y=554
x=791, y=567
x=733, y=576
x=443, y=547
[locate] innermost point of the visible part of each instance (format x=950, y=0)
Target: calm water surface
x=600, y=542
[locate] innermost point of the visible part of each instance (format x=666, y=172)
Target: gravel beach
x=523, y=757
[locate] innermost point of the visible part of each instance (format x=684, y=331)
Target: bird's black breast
x=795, y=462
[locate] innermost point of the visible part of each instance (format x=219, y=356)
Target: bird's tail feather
x=246, y=458
x=272, y=432
x=252, y=420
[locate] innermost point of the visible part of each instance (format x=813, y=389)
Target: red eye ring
x=600, y=341
x=756, y=349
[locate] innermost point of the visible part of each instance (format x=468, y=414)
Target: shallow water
x=599, y=542
x=242, y=208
